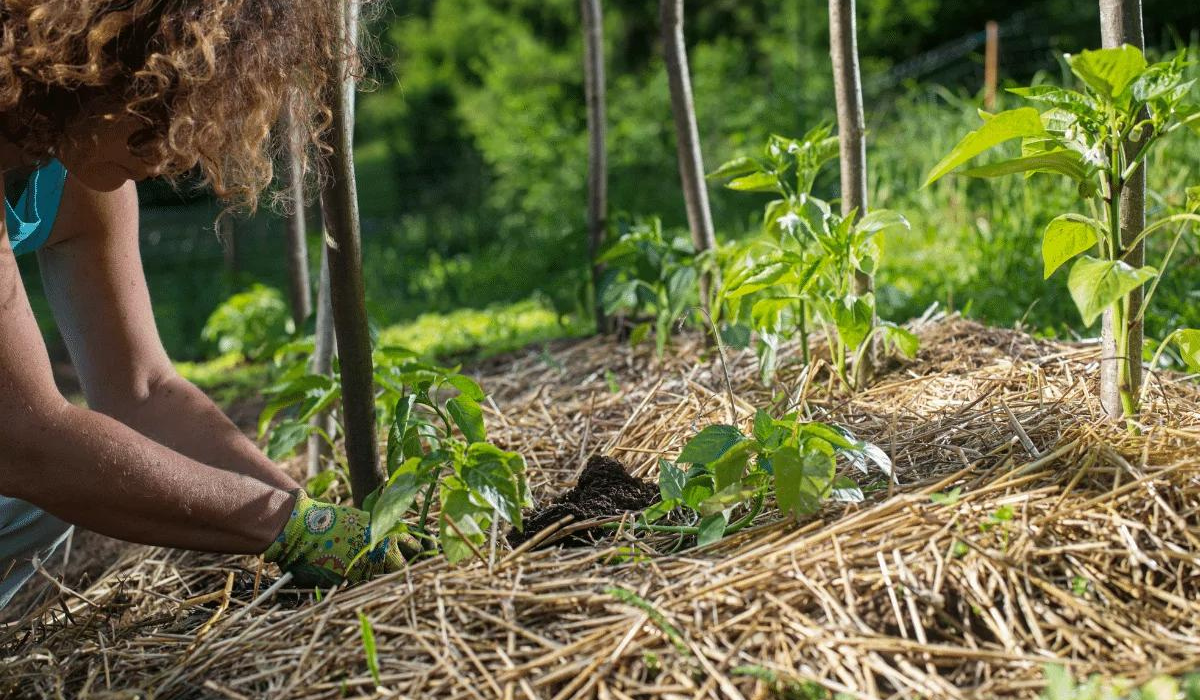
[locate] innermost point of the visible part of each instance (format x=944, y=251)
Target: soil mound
x=605, y=488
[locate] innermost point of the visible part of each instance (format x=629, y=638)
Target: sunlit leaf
x=1108, y=71
x=712, y=528
x=1002, y=127
x=710, y=443
x=1097, y=284
x=468, y=416
x=1066, y=236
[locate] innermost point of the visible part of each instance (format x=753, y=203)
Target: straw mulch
x=899, y=596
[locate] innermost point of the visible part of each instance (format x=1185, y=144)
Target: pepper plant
x=437, y=449
x=722, y=470
x=800, y=272
x=649, y=273
x=1079, y=135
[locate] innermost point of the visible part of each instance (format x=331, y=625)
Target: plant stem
x=428, y=500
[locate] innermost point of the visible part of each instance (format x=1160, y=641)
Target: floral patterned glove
x=321, y=540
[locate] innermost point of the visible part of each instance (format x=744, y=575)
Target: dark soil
x=604, y=489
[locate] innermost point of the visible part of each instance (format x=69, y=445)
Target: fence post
x=991, y=65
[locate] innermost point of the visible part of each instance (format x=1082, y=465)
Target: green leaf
x=764, y=426
x=1188, y=342
x=319, y=483
x=756, y=182
x=285, y=437
x=830, y=435
x=903, y=339
x=696, y=490
x=670, y=481
x=1002, y=127
x=1109, y=71
x=709, y=444
x=457, y=507
x=1067, y=236
x=729, y=467
x=468, y=416
x=1097, y=284
x=739, y=166
x=400, y=425
x=619, y=295
x=801, y=480
x=467, y=386
x=492, y=479
x=395, y=499
x=639, y=334
x=369, y=649
x=947, y=499
x=1066, y=99
x=846, y=490
x=766, y=313
x=658, y=511
x=882, y=219
x=1062, y=161
x=712, y=528
x=1193, y=198
x=680, y=287
x=736, y=336
x=761, y=277
x=853, y=317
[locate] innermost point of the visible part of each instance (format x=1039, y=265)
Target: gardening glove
x=321, y=540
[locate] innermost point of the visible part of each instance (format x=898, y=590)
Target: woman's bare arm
x=91, y=470
x=93, y=276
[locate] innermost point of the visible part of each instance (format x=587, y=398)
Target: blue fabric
x=32, y=219
x=26, y=533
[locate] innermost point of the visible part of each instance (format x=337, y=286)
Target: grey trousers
x=26, y=533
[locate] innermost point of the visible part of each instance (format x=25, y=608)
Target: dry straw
x=1071, y=540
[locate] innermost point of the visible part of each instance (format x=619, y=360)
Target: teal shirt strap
x=32, y=219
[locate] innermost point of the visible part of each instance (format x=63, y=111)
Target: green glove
x=320, y=540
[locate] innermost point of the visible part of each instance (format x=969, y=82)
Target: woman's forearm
x=91, y=470
x=178, y=415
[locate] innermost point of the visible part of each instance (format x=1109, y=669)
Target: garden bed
x=1023, y=530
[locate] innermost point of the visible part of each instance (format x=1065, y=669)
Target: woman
x=94, y=96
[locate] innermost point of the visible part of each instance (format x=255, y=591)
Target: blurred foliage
x=252, y=323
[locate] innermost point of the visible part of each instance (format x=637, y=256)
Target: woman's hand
x=321, y=544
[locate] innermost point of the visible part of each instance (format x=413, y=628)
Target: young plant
x=801, y=271
x=721, y=470
x=648, y=273
x=437, y=448
x=1081, y=135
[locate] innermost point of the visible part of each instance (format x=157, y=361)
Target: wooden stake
x=847, y=82
x=687, y=135
x=594, y=88
x=991, y=65
x=297, y=246
x=1121, y=23
x=343, y=245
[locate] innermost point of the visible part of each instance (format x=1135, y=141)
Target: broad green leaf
x=764, y=426
x=712, y=528
x=619, y=295
x=709, y=444
x=639, y=334
x=468, y=416
x=1097, y=284
x=469, y=387
x=735, y=168
x=658, y=511
x=881, y=219
x=319, y=483
x=830, y=435
x=495, y=482
x=395, y=499
x=1188, y=343
x=761, y=277
x=670, y=481
x=696, y=490
x=1193, y=198
x=1157, y=81
x=903, y=339
x=729, y=467
x=736, y=336
x=755, y=182
x=681, y=287
x=318, y=403
x=457, y=507
x=1066, y=99
x=291, y=393
x=846, y=490
x=728, y=497
x=285, y=437
x=1063, y=161
x=853, y=317
x=948, y=498
x=801, y=480
x=766, y=313
x=1066, y=236
x=1109, y=71
x=1002, y=127
x=396, y=432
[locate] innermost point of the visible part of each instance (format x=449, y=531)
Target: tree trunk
x=687, y=135
x=847, y=84
x=322, y=363
x=594, y=89
x=299, y=286
x=339, y=200
x=1121, y=370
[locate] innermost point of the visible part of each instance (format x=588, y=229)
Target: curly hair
x=206, y=80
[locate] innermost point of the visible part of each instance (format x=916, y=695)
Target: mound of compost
x=604, y=489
